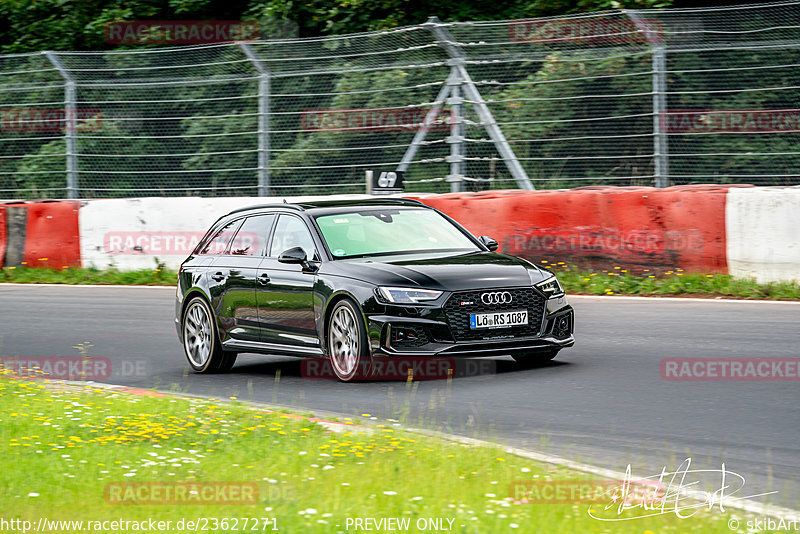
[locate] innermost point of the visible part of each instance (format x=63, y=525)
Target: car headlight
x=406, y=295
x=551, y=287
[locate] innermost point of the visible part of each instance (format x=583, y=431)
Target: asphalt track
x=602, y=402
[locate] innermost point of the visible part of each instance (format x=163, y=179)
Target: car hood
x=475, y=270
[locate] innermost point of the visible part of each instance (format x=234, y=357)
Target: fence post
x=456, y=138
x=263, y=120
x=655, y=37
x=457, y=57
x=70, y=130
x=422, y=131
x=660, y=139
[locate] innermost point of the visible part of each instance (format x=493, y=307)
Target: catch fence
x=645, y=97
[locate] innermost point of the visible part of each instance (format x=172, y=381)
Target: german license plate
x=498, y=319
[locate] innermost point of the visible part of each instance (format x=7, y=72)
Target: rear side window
x=219, y=243
x=251, y=239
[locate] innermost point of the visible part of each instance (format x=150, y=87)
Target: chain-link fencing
x=648, y=97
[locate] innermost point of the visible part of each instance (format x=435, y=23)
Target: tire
x=528, y=359
x=201, y=339
x=346, y=343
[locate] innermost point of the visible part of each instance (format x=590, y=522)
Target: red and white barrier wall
x=742, y=230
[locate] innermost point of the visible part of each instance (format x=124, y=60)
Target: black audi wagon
x=355, y=281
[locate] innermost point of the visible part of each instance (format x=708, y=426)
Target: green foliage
x=31, y=25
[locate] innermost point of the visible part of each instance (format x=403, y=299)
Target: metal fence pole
x=422, y=131
x=660, y=140
x=457, y=57
x=263, y=120
x=70, y=130
x=456, y=139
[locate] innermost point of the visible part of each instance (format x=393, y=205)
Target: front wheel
x=528, y=359
x=348, y=349
x=201, y=342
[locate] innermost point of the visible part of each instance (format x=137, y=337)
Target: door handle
x=219, y=277
x=263, y=279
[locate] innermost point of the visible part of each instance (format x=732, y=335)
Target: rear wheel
x=201, y=342
x=348, y=349
x=534, y=358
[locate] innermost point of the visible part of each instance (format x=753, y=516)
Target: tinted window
x=219, y=243
x=292, y=232
x=251, y=239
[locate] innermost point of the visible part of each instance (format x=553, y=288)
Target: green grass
x=62, y=445
x=157, y=276
x=614, y=282
x=671, y=283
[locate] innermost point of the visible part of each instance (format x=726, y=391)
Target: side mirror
x=488, y=242
x=295, y=255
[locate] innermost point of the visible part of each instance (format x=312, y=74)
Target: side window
x=251, y=239
x=289, y=233
x=219, y=243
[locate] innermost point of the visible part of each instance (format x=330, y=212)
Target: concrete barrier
x=745, y=230
x=763, y=233
x=602, y=227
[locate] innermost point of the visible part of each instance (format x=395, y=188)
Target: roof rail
x=302, y=206
x=296, y=207
x=361, y=201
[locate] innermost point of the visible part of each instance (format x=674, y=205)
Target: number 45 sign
x=384, y=182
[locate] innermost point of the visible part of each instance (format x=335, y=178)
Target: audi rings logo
x=499, y=297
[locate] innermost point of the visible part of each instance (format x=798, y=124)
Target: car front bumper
x=406, y=336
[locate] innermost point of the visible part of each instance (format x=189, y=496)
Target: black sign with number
x=384, y=182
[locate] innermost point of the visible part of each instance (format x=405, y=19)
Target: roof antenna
x=284, y=201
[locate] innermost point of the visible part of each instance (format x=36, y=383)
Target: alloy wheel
x=344, y=342
x=197, y=334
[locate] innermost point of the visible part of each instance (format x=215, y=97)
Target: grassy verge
x=614, y=282
x=65, y=447
x=672, y=283
x=77, y=275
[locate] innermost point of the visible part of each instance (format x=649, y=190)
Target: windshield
x=390, y=231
